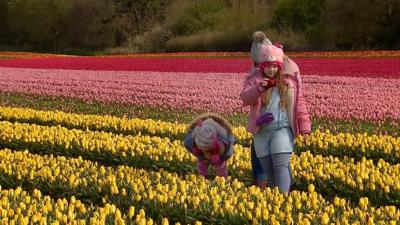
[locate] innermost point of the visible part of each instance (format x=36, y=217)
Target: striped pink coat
x=299, y=117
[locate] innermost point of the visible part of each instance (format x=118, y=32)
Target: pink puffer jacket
x=251, y=94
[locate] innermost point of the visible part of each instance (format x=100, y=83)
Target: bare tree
x=3, y=19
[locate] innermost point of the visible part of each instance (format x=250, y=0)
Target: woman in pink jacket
x=277, y=112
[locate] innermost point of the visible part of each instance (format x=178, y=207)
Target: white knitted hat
x=260, y=41
x=204, y=136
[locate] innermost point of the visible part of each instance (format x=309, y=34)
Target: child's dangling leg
x=202, y=167
x=221, y=169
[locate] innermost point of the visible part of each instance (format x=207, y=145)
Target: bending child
x=210, y=139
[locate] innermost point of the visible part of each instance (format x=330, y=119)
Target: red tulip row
x=358, y=67
x=313, y=54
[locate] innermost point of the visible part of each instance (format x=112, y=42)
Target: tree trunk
x=3, y=19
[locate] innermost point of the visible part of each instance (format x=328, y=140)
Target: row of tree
x=197, y=25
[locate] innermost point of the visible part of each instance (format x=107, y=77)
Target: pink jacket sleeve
x=251, y=91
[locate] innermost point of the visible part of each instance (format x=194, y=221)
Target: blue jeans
x=277, y=168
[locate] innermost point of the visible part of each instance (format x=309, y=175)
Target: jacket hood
x=219, y=119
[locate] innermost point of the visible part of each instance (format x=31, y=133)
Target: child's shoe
x=261, y=184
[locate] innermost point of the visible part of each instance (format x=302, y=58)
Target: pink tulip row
x=363, y=67
x=353, y=97
x=327, y=96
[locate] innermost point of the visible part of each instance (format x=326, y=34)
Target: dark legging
x=256, y=166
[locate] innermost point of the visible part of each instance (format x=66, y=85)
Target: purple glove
x=265, y=118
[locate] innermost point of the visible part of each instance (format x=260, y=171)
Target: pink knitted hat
x=271, y=55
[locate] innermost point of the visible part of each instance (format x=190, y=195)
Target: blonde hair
x=282, y=89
